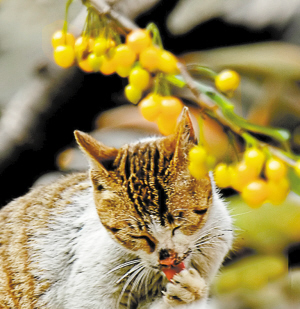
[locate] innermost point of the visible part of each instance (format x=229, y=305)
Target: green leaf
x=227, y=108
x=278, y=134
x=294, y=180
x=175, y=81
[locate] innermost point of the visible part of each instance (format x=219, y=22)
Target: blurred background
x=41, y=105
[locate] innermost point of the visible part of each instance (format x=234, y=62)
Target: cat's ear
x=95, y=151
x=183, y=137
x=185, y=129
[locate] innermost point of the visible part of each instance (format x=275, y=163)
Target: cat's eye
x=200, y=211
x=149, y=241
x=176, y=228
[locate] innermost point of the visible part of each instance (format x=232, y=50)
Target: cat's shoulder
x=48, y=195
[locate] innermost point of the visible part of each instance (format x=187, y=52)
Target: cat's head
x=145, y=196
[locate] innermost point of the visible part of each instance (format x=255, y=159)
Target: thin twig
x=104, y=9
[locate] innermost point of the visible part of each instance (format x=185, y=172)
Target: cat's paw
x=186, y=287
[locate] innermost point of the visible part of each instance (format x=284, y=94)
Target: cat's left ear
x=95, y=151
x=184, y=136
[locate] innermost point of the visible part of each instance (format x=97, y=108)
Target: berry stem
x=65, y=26
x=201, y=70
x=175, y=81
x=156, y=35
x=103, y=8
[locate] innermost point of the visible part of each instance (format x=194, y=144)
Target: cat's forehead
x=139, y=157
x=144, y=169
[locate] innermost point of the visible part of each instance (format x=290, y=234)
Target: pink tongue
x=172, y=270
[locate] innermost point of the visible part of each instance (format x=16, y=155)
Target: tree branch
x=104, y=9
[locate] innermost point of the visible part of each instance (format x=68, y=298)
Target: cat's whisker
x=209, y=239
x=133, y=269
x=210, y=234
x=149, y=270
x=129, y=280
x=136, y=261
x=210, y=227
x=206, y=245
x=135, y=285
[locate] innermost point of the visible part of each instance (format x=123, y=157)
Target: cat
x=104, y=239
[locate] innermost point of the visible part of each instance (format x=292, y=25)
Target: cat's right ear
x=94, y=150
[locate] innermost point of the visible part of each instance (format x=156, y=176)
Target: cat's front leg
x=186, y=287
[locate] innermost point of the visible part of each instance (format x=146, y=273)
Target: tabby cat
x=104, y=240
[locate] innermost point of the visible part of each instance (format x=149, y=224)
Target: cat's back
x=21, y=221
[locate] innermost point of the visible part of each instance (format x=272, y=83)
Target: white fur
x=75, y=254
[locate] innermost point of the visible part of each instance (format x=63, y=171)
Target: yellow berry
x=95, y=61
x=150, y=106
x=133, y=94
x=241, y=175
x=197, y=170
x=171, y=107
x=275, y=169
x=138, y=40
x=124, y=56
x=254, y=158
x=102, y=45
x=166, y=126
x=198, y=155
x=167, y=63
x=108, y=66
x=62, y=38
x=222, y=175
x=278, y=190
x=83, y=45
x=255, y=193
x=123, y=71
x=150, y=57
x=85, y=65
x=140, y=78
x=227, y=81
x=64, y=56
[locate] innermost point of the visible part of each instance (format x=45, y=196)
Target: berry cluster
x=139, y=59
x=200, y=162
x=162, y=109
x=63, y=44
x=257, y=178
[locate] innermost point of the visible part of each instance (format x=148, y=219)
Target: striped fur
x=20, y=221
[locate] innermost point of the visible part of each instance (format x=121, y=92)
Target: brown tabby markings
x=18, y=288
x=144, y=171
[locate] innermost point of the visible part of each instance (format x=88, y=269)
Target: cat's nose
x=164, y=253
x=167, y=257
